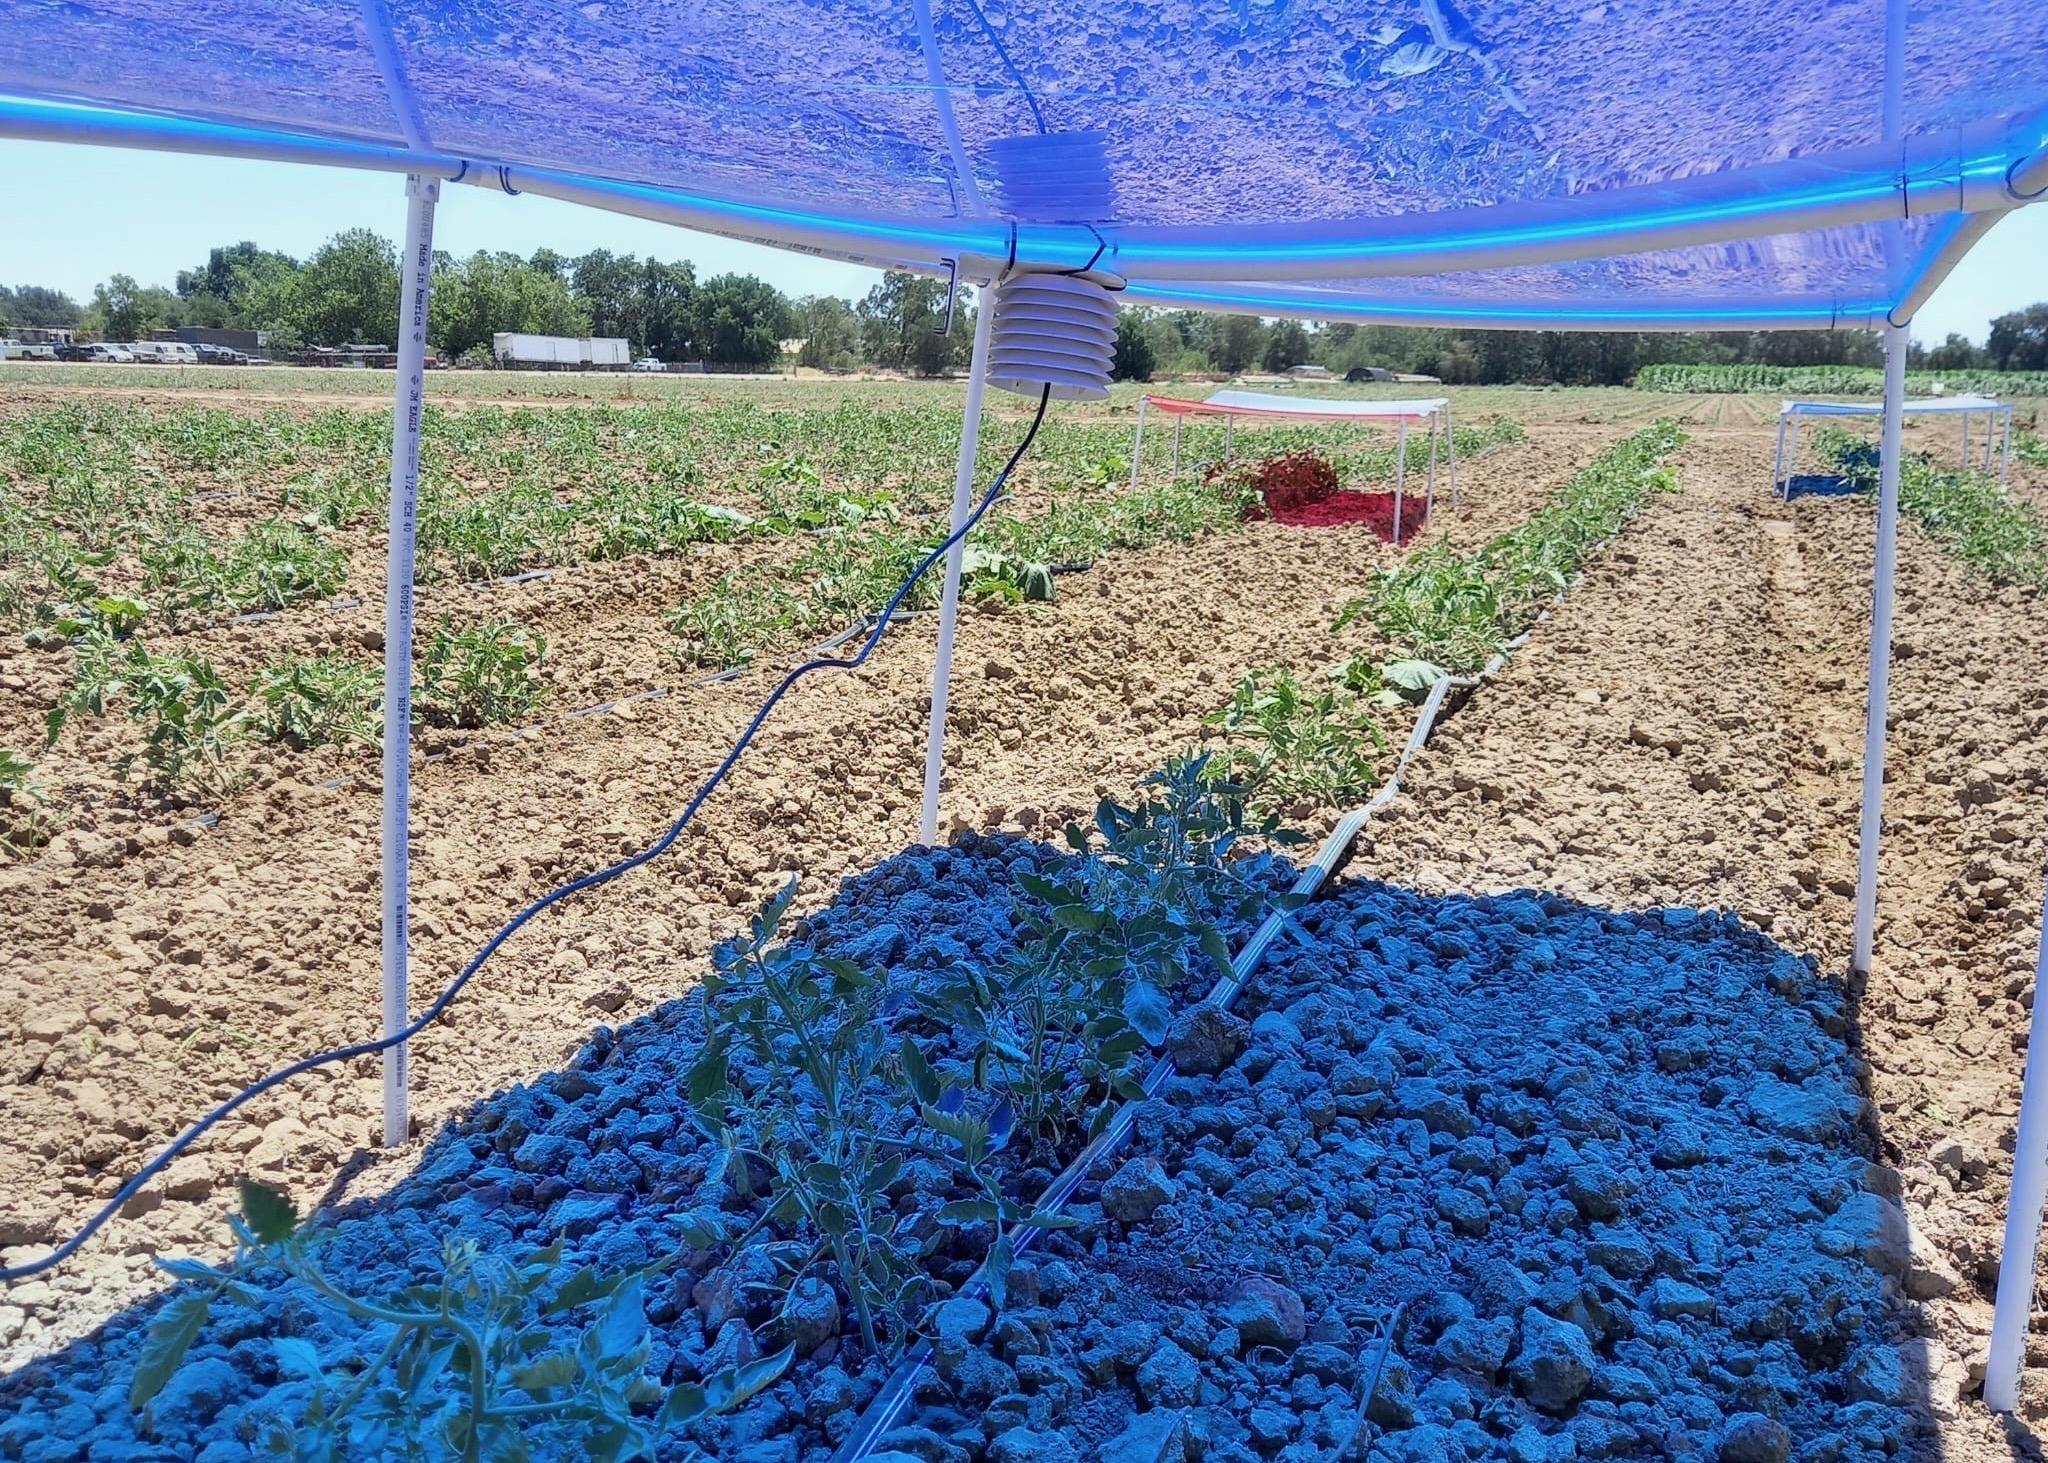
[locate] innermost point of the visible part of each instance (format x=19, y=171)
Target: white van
x=165, y=353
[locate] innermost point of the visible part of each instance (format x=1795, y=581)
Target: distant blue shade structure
x=1198, y=140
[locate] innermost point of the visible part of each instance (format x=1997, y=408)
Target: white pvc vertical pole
x=1137, y=447
x=1226, y=436
x=1966, y=441
x=1778, y=466
x=949, y=603
x=1429, y=493
x=1451, y=452
x=2015, y=1306
x=1176, y=446
x=1880, y=647
x=1400, y=472
x=420, y=196
x=2005, y=469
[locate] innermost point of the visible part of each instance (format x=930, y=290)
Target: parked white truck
x=518, y=351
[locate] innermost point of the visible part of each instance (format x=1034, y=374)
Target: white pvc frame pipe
x=1429, y=492
x=1451, y=451
x=2015, y=1305
x=1400, y=472
x=956, y=558
x=1895, y=339
x=421, y=194
x=1984, y=179
x=1138, y=446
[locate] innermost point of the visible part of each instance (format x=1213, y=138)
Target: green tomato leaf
x=270, y=1215
x=1146, y=1008
x=996, y=1272
x=556, y=1369
x=297, y=1357
x=1218, y=950
x=171, y=1335
x=918, y=1075
x=734, y=1386
x=968, y=1211
x=686, y=1403
x=707, y=1080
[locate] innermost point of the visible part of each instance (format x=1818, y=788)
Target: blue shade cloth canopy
x=1534, y=162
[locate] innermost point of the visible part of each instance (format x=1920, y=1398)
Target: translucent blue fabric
x=1226, y=112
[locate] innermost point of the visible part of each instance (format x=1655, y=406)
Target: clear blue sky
x=81, y=214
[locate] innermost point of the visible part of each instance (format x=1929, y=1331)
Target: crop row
x=1306, y=742
x=1453, y=612
x=1832, y=380
x=188, y=727
x=103, y=500
x=1970, y=514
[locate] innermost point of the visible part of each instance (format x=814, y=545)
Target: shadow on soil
x=1820, y=485
x=1613, y=1166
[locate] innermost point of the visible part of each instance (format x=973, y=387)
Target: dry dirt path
x=153, y=969
x=1687, y=729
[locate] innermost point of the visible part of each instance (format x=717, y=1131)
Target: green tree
x=830, y=331
x=1957, y=353
x=121, y=309
x=739, y=320
x=347, y=293
x=668, y=293
x=1286, y=345
x=2019, y=341
x=1236, y=342
x=900, y=321
x=33, y=304
x=608, y=286
x=1133, y=360
x=237, y=276
x=477, y=297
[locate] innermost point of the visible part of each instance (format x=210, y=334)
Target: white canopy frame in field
x=1997, y=430
x=1258, y=405
x=1900, y=182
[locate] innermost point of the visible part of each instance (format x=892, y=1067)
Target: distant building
x=45, y=334
x=1368, y=373
x=517, y=351
x=1309, y=373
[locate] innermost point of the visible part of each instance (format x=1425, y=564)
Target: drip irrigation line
x=512, y=926
x=890, y=1404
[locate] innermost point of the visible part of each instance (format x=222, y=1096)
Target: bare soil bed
x=1683, y=731
x=162, y=964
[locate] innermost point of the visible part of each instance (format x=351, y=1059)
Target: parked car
x=104, y=353
x=648, y=363
x=164, y=353
x=220, y=355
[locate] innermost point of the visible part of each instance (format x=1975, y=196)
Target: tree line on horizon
x=346, y=292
